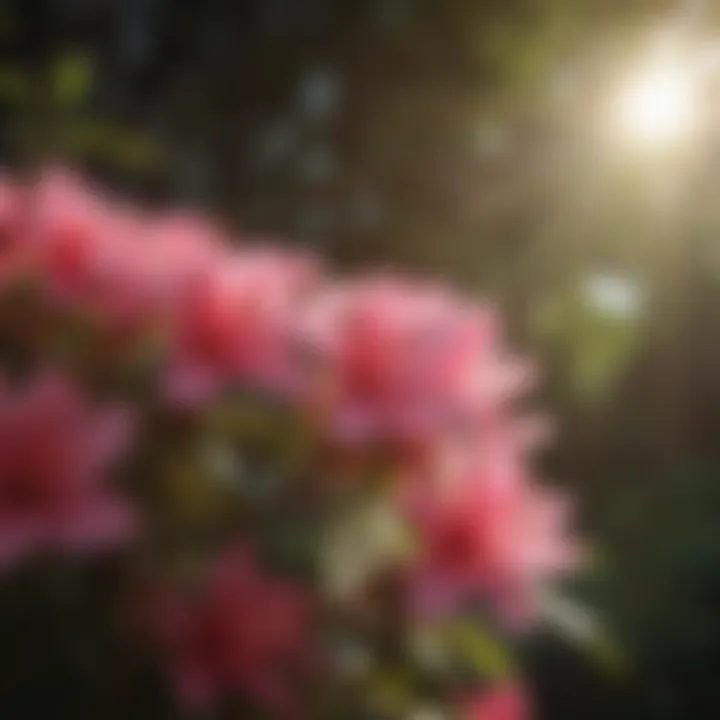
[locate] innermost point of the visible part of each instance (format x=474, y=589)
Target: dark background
x=457, y=138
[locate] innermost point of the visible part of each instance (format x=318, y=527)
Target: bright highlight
x=659, y=105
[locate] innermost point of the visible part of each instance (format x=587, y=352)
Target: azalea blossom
x=506, y=702
x=90, y=256
x=178, y=249
x=55, y=451
x=67, y=232
x=493, y=533
x=243, y=632
x=234, y=323
x=405, y=361
x=13, y=251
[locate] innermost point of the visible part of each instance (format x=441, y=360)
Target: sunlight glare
x=659, y=105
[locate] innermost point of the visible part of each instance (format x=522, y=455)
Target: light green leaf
x=575, y=623
x=72, y=78
x=595, y=346
x=390, y=691
x=483, y=651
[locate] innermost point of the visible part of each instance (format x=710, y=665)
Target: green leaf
x=363, y=541
x=112, y=143
x=600, y=355
x=576, y=624
x=595, y=347
x=72, y=78
x=391, y=691
x=488, y=656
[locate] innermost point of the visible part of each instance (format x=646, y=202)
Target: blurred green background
x=469, y=140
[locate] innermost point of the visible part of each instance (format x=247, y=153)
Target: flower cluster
x=53, y=451
x=364, y=392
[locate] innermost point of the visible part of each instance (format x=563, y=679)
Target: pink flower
x=506, y=702
x=234, y=323
x=179, y=249
x=142, y=269
x=244, y=632
x=54, y=450
x=67, y=235
x=405, y=361
x=104, y=261
x=13, y=251
x=89, y=255
x=491, y=533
